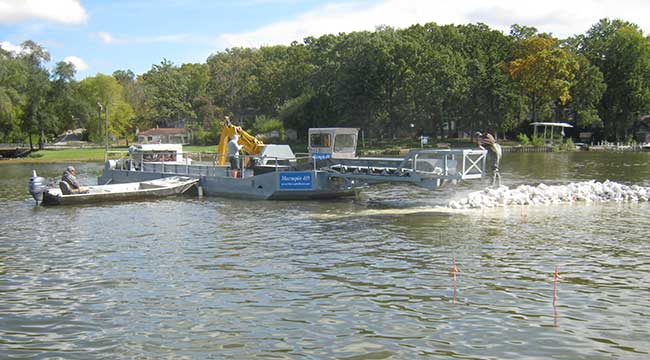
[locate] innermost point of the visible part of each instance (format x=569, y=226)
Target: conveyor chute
x=426, y=168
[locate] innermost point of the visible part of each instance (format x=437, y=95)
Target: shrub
x=264, y=125
x=523, y=139
x=202, y=136
x=569, y=145
x=537, y=141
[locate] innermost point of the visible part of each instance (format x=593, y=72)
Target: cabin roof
x=164, y=131
x=158, y=147
x=558, y=124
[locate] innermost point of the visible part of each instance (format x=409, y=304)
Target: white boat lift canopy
x=552, y=125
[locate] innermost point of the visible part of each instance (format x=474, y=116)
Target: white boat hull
x=120, y=192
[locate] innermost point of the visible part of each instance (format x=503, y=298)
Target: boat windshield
x=159, y=156
x=344, y=142
x=320, y=140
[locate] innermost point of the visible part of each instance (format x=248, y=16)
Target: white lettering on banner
x=296, y=181
x=296, y=178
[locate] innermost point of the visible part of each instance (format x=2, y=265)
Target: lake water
x=351, y=279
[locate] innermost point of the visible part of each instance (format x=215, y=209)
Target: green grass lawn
x=63, y=155
x=197, y=148
x=88, y=154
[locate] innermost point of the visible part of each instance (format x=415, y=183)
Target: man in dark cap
x=487, y=142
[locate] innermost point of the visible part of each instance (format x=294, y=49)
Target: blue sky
x=104, y=36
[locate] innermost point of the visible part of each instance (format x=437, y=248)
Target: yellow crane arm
x=250, y=143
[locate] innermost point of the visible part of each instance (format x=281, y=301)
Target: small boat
x=118, y=192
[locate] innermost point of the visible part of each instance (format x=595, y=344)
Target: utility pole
x=99, y=110
x=106, y=152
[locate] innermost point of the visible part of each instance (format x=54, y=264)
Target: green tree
x=13, y=79
x=298, y=74
x=196, y=77
x=167, y=94
x=522, y=32
x=438, y=81
x=622, y=54
x=63, y=104
x=264, y=125
x=353, y=89
x=105, y=90
x=320, y=105
x=586, y=93
x=394, y=55
x=492, y=101
x=35, y=56
x=134, y=94
x=232, y=81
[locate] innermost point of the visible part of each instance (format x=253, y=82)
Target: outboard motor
x=36, y=187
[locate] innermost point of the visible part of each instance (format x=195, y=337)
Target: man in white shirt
x=233, y=154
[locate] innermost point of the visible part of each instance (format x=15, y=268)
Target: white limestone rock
x=542, y=194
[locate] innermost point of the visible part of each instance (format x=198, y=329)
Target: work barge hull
x=310, y=177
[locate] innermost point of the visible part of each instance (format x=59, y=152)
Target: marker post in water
x=455, y=271
x=556, y=276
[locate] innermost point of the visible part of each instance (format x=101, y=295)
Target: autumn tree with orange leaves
x=543, y=70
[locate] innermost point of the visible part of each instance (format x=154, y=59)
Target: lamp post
x=99, y=109
x=106, y=129
x=99, y=112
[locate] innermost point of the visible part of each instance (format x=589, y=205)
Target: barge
x=330, y=169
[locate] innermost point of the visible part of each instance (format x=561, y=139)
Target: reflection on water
x=365, y=279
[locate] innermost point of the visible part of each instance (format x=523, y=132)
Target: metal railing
x=441, y=164
x=136, y=162
x=428, y=168
x=472, y=162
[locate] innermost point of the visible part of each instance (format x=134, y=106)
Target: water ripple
x=369, y=279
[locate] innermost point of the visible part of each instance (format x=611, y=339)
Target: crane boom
x=250, y=143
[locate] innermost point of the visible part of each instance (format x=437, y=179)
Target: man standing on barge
x=233, y=154
x=486, y=141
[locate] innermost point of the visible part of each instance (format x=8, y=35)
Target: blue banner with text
x=321, y=156
x=296, y=180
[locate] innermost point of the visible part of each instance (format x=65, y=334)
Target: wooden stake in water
x=556, y=276
x=454, y=271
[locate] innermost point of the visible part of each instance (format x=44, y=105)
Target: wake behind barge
x=274, y=172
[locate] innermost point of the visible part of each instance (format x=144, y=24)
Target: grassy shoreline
x=97, y=154
x=50, y=156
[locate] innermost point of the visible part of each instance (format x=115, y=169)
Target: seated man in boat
x=233, y=154
x=486, y=141
x=70, y=184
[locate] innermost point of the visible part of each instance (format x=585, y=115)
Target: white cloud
x=174, y=38
x=78, y=63
x=107, y=38
x=60, y=11
x=560, y=17
x=6, y=45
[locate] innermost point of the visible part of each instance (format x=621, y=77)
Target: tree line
x=388, y=82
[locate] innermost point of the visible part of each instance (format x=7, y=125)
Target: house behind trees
x=165, y=136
